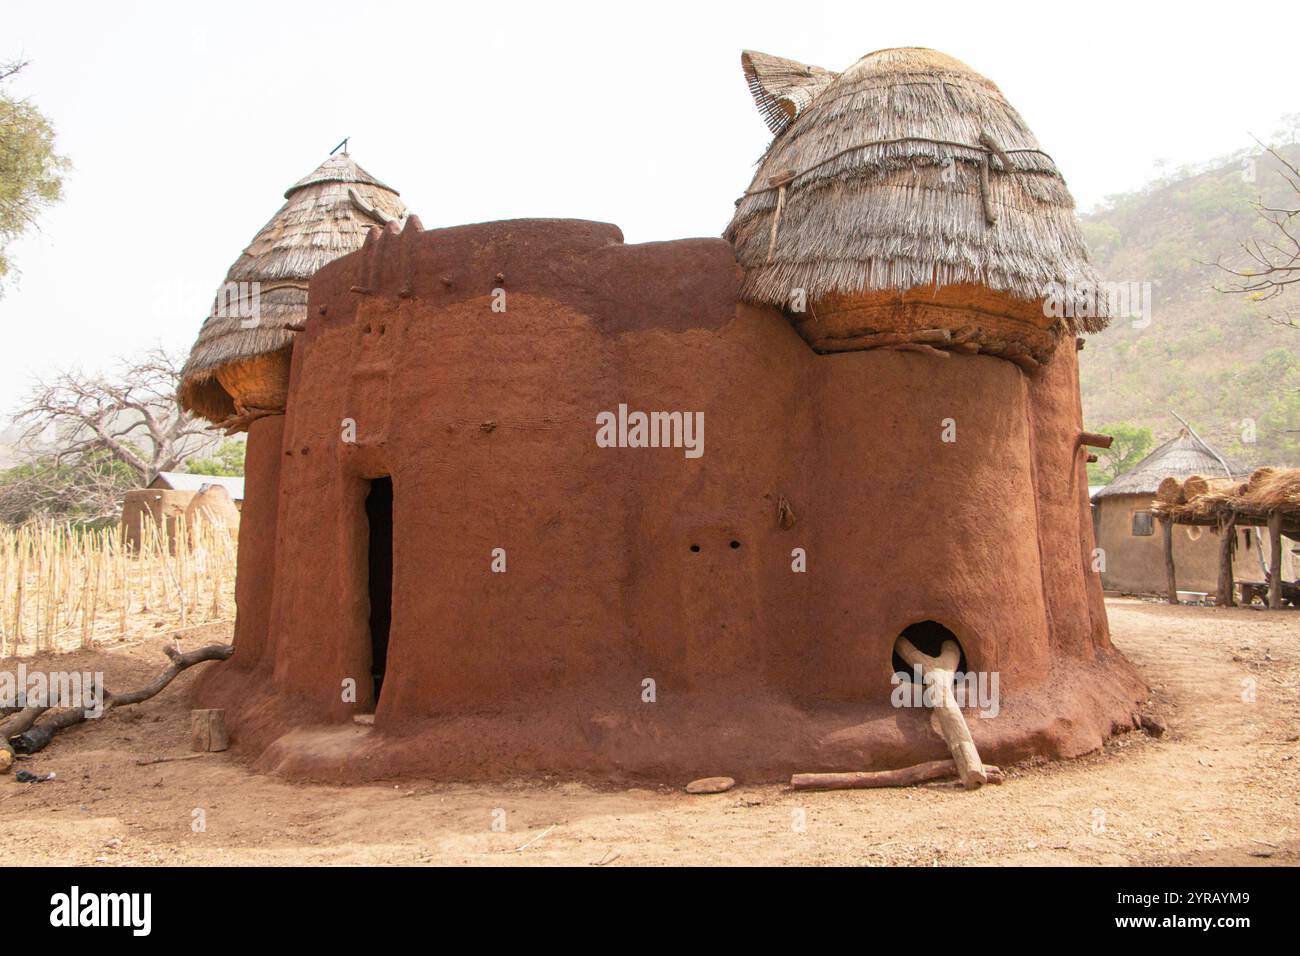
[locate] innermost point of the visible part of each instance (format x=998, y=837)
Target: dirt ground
x=1219, y=788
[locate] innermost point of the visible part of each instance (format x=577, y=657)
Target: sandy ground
x=1219, y=788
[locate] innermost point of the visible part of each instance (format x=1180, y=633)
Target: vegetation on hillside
x=1214, y=358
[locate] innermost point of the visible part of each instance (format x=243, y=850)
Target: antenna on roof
x=1192, y=431
x=343, y=146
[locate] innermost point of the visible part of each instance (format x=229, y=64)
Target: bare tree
x=89, y=490
x=1275, y=261
x=131, y=416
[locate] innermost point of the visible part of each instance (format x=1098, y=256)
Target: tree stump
x=208, y=731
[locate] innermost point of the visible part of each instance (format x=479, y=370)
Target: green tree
x=227, y=460
x=1130, y=446
x=31, y=172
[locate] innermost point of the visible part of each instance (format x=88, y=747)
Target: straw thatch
x=326, y=214
x=1181, y=457
x=782, y=88
x=909, y=172
x=1267, y=490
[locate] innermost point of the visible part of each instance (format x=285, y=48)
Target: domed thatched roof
x=326, y=214
x=1181, y=457
x=907, y=171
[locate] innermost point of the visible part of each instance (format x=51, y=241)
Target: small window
x=1142, y=523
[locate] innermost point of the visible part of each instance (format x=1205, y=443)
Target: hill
x=1213, y=358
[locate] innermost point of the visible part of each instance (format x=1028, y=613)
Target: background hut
x=161, y=507
x=184, y=481
x=239, y=367
x=908, y=203
x=1131, y=537
x=213, y=505
x=168, y=498
x=1265, y=507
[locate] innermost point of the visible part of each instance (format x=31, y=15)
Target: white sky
x=187, y=121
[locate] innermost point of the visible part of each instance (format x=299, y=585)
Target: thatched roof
x=1181, y=457
x=887, y=161
x=1268, y=490
x=326, y=214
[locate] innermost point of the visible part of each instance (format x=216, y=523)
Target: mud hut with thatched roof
x=237, y=375
x=519, y=554
x=1132, y=541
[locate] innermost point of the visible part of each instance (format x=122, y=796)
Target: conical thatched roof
x=1181, y=457
x=326, y=214
x=910, y=170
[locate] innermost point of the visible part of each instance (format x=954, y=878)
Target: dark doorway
x=928, y=638
x=379, y=516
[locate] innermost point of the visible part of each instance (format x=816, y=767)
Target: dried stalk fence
x=63, y=588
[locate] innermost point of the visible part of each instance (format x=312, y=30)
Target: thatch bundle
x=1197, y=485
x=1267, y=490
x=1270, y=489
x=1170, y=492
x=892, y=183
x=238, y=368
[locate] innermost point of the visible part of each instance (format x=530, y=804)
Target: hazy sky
x=187, y=121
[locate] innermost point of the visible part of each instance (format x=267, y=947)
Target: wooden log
x=1171, y=579
x=12, y=726
x=208, y=731
x=1227, y=538
x=1096, y=439
x=1275, y=559
x=918, y=347
x=871, y=779
x=42, y=733
x=939, y=672
x=871, y=340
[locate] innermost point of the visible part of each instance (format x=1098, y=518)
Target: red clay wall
x=486, y=422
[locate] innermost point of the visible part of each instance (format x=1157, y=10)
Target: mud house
x=435, y=533
x=170, y=496
x=1132, y=540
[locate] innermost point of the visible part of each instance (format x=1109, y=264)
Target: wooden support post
x=1171, y=579
x=1275, y=559
x=1227, y=538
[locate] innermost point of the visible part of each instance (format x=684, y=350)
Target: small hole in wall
x=381, y=329
x=695, y=549
x=735, y=545
x=927, y=637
